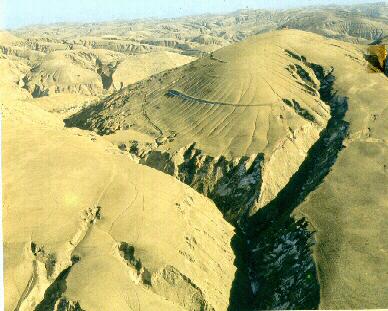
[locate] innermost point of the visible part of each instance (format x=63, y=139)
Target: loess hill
x=257, y=126
x=226, y=162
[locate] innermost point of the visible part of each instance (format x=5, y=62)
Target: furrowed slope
x=277, y=126
x=252, y=98
x=348, y=210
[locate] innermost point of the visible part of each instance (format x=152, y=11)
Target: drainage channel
x=273, y=247
x=275, y=267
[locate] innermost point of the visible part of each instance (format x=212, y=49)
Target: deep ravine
x=275, y=266
x=273, y=249
x=279, y=259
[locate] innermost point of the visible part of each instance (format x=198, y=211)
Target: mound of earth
x=57, y=73
x=209, y=100
x=139, y=67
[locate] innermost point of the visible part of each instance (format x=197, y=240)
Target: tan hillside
x=274, y=106
x=138, y=67
x=8, y=38
x=57, y=73
x=221, y=162
x=234, y=103
x=90, y=208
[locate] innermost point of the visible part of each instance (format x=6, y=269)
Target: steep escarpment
x=256, y=193
x=283, y=272
x=194, y=115
x=233, y=185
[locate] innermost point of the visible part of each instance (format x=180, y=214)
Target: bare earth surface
x=232, y=162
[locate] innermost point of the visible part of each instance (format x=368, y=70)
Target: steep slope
x=82, y=222
x=234, y=104
x=61, y=72
x=348, y=210
x=258, y=127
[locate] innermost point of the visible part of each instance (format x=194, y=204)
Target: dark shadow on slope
x=281, y=257
x=82, y=118
x=281, y=267
x=377, y=58
x=55, y=291
x=373, y=63
x=105, y=71
x=233, y=184
x=241, y=295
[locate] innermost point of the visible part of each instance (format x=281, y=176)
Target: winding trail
x=175, y=93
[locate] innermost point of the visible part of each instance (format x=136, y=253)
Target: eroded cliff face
x=239, y=186
x=233, y=185
x=259, y=200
